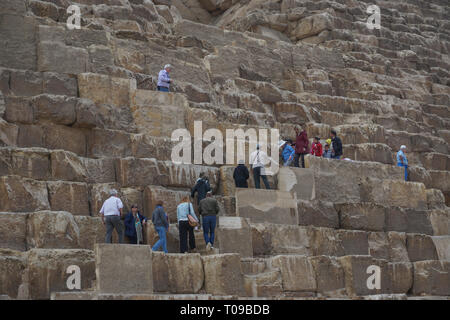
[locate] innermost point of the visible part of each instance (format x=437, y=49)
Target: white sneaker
x=208, y=246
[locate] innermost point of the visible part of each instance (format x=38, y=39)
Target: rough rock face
x=80, y=115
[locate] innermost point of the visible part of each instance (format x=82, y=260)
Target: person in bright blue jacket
x=402, y=161
x=134, y=222
x=287, y=153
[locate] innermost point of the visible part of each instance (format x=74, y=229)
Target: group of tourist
x=133, y=222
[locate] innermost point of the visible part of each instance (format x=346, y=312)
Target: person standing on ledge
x=402, y=161
x=336, y=145
x=134, y=222
x=301, y=146
x=287, y=153
x=258, y=159
x=241, y=175
x=164, y=78
x=111, y=212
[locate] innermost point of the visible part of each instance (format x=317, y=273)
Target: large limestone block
x=440, y=221
x=234, y=236
x=395, y=193
x=408, y=220
x=47, y=270
x=178, y=273
x=390, y=246
x=99, y=143
x=57, y=109
x=227, y=185
x=442, y=245
x=313, y=25
x=103, y=89
x=329, y=275
x=12, y=267
x=431, y=278
x=223, y=274
x=158, y=113
x=361, y=216
x=13, y=230
x=297, y=272
x=22, y=195
x=420, y=247
x=318, y=214
x=67, y=166
x=69, y=196
x=52, y=229
x=92, y=231
x=56, y=57
x=30, y=163
x=171, y=199
x=99, y=170
x=298, y=180
x=270, y=239
x=330, y=242
x=122, y=268
x=8, y=133
x=17, y=41
x=138, y=172
x=273, y=206
x=435, y=199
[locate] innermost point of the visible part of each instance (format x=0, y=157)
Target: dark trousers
x=186, y=231
x=209, y=226
x=164, y=89
x=114, y=222
x=257, y=175
x=296, y=160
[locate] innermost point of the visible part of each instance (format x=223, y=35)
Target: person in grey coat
x=161, y=223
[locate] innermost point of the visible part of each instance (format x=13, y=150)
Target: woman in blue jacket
x=287, y=153
x=134, y=222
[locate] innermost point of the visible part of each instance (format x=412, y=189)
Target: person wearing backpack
x=187, y=220
x=201, y=188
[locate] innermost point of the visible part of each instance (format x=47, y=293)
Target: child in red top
x=316, y=148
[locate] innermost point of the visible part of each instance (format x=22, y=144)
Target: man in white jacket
x=258, y=160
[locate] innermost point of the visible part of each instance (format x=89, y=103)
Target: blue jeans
x=406, y=169
x=209, y=225
x=336, y=157
x=162, y=239
x=163, y=89
x=257, y=175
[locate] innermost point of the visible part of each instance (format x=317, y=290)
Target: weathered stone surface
x=138, y=172
x=12, y=267
x=420, y=247
x=103, y=89
x=158, y=113
x=29, y=163
x=442, y=245
x=52, y=229
x=223, y=274
x=47, y=270
x=22, y=195
x=329, y=275
x=431, y=278
x=440, y=221
x=57, y=109
x=362, y=216
x=329, y=242
x=13, y=231
x=270, y=239
x=184, y=273
x=8, y=133
x=67, y=166
x=435, y=199
x=390, y=246
x=395, y=193
x=274, y=206
x=92, y=231
x=69, y=196
x=317, y=213
x=297, y=272
x=133, y=275
x=234, y=236
x=57, y=57
x=300, y=181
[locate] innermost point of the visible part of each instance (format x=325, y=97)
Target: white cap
x=281, y=143
x=113, y=192
x=402, y=147
x=167, y=66
x=241, y=162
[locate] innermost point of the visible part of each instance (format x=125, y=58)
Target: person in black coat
x=201, y=187
x=336, y=149
x=241, y=175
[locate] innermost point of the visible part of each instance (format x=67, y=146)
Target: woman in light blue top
x=402, y=161
x=183, y=210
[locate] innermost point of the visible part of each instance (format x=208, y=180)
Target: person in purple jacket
x=164, y=78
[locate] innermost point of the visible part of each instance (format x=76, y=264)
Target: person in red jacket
x=301, y=146
x=316, y=148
